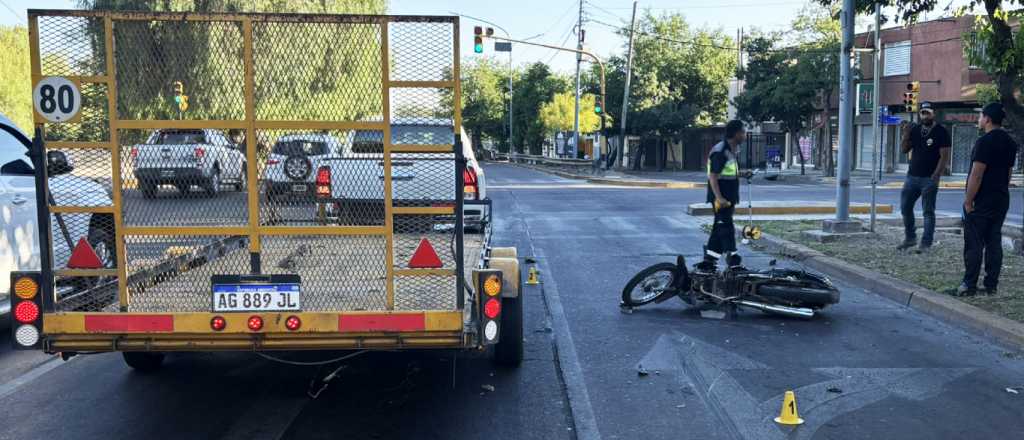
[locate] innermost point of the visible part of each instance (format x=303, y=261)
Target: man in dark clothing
x=987, y=201
x=928, y=144
x=723, y=193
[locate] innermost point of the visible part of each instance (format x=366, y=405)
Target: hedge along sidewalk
x=920, y=281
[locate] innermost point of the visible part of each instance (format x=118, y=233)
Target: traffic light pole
x=566, y=49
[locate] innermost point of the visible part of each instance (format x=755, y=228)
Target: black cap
x=926, y=106
x=995, y=112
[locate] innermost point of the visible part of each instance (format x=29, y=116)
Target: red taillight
x=200, y=152
x=26, y=312
x=273, y=161
x=293, y=323
x=492, y=308
x=218, y=323
x=323, y=182
x=471, y=188
x=255, y=323
x=135, y=152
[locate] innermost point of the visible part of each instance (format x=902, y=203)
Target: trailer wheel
x=143, y=361
x=509, y=349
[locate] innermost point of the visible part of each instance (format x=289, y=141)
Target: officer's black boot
x=710, y=262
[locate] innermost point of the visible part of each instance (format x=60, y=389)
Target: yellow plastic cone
x=532, y=279
x=788, y=415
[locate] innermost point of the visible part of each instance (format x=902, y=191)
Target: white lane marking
x=565, y=186
x=618, y=224
x=11, y=386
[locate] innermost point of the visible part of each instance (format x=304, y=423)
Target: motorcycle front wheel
x=648, y=284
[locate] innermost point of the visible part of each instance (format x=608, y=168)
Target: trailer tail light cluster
x=490, y=285
x=470, y=184
x=323, y=183
x=27, y=310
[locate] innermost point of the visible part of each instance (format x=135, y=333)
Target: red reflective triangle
x=84, y=257
x=425, y=257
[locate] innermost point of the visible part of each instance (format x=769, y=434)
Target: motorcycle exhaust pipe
x=795, y=312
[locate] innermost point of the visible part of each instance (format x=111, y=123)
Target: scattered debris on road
x=1014, y=390
x=488, y=388
x=641, y=371
x=834, y=389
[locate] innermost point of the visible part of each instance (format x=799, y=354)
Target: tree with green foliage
x=485, y=100
x=304, y=71
x=533, y=87
x=16, y=87
x=789, y=84
x=559, y=113
x=680, y=75
x=1003, y=47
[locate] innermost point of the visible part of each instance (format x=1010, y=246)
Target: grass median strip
x=939, y=269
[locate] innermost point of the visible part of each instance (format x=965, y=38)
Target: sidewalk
x=698, y=179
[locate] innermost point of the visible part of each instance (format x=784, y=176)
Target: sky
x=550, y=21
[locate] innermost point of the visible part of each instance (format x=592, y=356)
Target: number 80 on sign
x=57, y=99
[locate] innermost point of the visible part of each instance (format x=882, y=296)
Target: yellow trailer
x=188, y=119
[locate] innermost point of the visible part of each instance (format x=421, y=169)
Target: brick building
x=931, y=53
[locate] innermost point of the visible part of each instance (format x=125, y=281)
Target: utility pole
x=846, y=100
x=875, y=132
x=579, y=59
x=625, y=94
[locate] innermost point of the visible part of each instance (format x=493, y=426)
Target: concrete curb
x=616, y=182
x=935, y=304
x=704, y=209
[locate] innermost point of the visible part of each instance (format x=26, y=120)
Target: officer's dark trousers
x=723, y=233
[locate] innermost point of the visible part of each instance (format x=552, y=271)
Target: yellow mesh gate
x=201, y=147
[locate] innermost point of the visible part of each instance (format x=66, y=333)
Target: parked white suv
x=19, y=240
x=292, y=162
x=187, y=158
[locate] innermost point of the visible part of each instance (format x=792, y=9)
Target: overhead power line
x=732, y=48
x=13, y=12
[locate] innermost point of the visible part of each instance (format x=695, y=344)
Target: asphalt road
x=867, y=368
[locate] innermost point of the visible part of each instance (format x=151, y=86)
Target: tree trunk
x=1006, y=80
x=794, y=140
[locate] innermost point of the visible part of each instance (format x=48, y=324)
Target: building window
x=897, y=58
x=977, y=51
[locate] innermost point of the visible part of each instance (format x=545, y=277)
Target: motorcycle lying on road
x=787, y=292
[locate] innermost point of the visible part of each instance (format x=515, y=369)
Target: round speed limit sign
x=57, y=99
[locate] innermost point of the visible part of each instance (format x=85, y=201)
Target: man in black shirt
x=987, y=201
x=723, y=194
x=928, y=144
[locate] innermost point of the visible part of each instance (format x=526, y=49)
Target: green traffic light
x=478, y=48
x=177, y=99
x=597, y=109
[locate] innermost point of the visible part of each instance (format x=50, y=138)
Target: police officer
x=723, y=194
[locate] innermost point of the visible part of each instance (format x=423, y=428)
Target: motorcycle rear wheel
x=648, y=284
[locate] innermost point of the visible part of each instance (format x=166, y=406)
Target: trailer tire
x=509, y=349
x=143, y=361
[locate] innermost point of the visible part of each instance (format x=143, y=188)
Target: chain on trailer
x=201, y=142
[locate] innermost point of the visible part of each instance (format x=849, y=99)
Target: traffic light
x=180, y=98
x=911, y=95
x=599, y=105
x=478, y=39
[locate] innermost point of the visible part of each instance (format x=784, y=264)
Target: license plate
x=167, y=173
x=237, y=294
x=298, y=188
